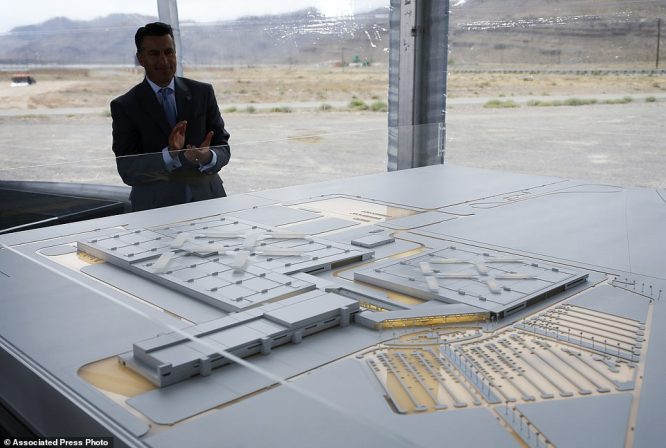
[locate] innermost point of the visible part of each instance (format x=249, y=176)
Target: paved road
x=621, y=144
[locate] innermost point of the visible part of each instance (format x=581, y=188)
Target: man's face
x=158, y=57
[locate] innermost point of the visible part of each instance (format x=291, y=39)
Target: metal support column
x=167, y=10
x=417, y=82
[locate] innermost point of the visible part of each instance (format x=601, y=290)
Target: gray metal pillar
x=167, y=11
x=418, y=40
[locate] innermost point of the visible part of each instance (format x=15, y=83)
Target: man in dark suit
x=168, y=135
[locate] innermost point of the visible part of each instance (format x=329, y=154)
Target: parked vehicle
x=22, y=79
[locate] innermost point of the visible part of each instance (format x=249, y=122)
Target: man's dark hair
x=152, y=29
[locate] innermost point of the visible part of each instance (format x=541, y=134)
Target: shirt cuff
x=211, y=164
x=170, y=162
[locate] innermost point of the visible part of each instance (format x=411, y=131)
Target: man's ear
x=139, y=59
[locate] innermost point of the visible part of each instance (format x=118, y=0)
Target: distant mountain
x=60, y=40
x=304, y=36
x=489, y=10
x=517, y=32
x=566, y=33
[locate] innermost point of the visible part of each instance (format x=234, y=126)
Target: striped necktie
x=169, y=105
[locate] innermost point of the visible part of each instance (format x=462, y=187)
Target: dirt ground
x=620, y=144
x=96, y=87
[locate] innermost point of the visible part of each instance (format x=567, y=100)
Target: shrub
x=379, y=106
x=579, y=101
x=281, y=109
x=357, y=104
x=625, y=100
x=498, y=104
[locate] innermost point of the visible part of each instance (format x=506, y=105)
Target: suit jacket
x=141, y=131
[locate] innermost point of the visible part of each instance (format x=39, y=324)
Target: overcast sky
x=28, y=12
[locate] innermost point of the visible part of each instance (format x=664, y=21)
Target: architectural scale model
x=438, y=306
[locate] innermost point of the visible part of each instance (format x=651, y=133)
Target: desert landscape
x=549, y=88
x=294, y=125
x=246, y=86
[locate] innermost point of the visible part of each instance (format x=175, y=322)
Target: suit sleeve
x=220, y=142
x=134, y=166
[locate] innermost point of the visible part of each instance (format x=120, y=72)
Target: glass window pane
x=570, y=89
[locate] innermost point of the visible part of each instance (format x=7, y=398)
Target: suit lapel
x=149, y=103
x=183, y=100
